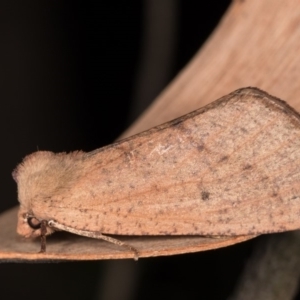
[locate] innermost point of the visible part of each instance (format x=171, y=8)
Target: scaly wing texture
x=227, y=169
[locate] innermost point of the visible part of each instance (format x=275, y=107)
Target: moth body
x=230, y=168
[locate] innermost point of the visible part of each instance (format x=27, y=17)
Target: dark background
x=68, y=78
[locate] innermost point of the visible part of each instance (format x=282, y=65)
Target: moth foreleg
x=43, y=225
x=94, y=235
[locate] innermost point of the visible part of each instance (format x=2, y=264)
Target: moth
x=230, y=168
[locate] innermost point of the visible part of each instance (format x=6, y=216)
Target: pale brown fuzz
x=230, y=168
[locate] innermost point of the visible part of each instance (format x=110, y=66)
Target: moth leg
x=43, y=235
x=94, y=235
x=34, y=223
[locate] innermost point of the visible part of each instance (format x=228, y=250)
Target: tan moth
x=230, y=168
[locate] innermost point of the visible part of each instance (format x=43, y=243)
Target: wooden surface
x=256, y=44
x=65, y=246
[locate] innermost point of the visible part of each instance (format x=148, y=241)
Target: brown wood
x=66, y=246
x=256, y=44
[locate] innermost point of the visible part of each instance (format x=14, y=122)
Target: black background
x=67, y=77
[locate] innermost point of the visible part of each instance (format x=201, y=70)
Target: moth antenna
x=94, y=235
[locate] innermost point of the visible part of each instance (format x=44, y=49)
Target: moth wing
x=231, y=168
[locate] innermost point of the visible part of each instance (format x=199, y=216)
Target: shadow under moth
x=230, y=168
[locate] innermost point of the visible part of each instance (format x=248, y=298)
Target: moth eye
x=34, y=223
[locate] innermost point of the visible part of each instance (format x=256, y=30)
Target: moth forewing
x=230, y=168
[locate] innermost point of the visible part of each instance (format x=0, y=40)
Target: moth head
x=40, y=177
x=29, y=226
x=36, y=177
x=44, y=174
